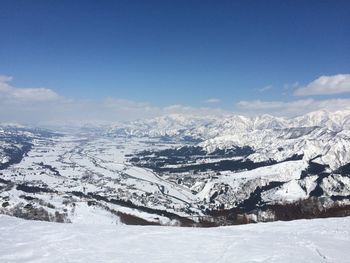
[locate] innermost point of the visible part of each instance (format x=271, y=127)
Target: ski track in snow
x=318, y=240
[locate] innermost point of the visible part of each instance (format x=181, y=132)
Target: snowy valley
x=180, y=170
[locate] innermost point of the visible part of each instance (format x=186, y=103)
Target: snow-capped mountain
x=180, y=170
x=317, y=133
x=211, y=126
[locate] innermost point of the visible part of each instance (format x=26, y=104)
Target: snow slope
x=318, y=240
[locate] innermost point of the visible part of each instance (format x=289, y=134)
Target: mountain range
x=180, y=169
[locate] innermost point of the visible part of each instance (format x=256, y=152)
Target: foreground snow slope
x=318, y=240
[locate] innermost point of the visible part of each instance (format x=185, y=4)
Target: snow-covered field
x=318, y=240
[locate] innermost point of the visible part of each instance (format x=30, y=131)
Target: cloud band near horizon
x=44, y=105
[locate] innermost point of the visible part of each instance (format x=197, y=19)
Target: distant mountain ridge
x=207, y=127
x=317, y=133
x=180, y=169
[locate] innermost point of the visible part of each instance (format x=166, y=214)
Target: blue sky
x=175, y=52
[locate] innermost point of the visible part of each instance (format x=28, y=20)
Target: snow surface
x=318, y=240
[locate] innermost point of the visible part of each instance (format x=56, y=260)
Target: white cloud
x=4, y=79
x=266, y=88
x=260, y=105
x=289, y=86
x=41, y=105
x=291, y=108
x=188, y=110
x=326, y=85
x=212, y=100
x=9, y=92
